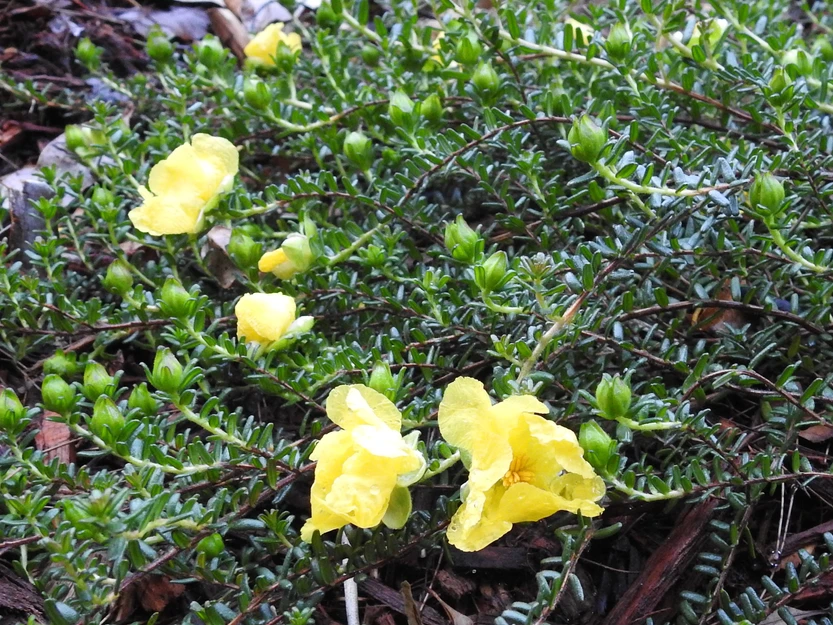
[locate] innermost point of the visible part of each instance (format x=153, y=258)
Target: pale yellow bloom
x=264, y=317
x=292, y=257
x=184, y=186
x=522, y=467
x=587, y=31
x=263, y=47
x=360, y=465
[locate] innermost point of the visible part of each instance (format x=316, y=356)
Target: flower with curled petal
x=364, y=469
x=522, y=467
x=185, y=186
x=263, y=47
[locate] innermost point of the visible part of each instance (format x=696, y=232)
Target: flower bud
x=779, y=86
x=382, y=380
x=326, y=17
x=494, y=271
x=256, y=93
x=714, y=30
x=210, y=51
x=61, y=364
x=468, y=50
x=118, y=279
x=243, y=249
x=75, y=137
x=158, y=46
x=766, y=194
x=107, y=420
x=57, y=395
x=824, y=48
x=461, y=241
x=613, y=397
x=96, y=381
x=486, y=79
x=103, y=197
x=431, y=108
x=88, y=53
x=175, y=301
x=597, y=445
x=211, y=546
x=802, y=61
x=618, y=42
x=167, y=372
x=586, y=139
x=358, y=148
x=401, y=110
x=11, y=410
x=141, y=399
x=371, y=55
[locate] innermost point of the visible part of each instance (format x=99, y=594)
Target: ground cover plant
x=446, y=311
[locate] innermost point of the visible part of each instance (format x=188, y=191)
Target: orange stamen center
x=517, y=473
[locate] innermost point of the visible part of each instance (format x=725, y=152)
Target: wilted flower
x=185, y=186
x=263, y=48
x=264, y=317
x=363, y=467
x=521, y=466
x=294, y=256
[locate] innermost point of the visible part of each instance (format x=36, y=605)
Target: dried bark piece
x=151, y=593
x=230, y=30
x=454, y=586
x=394, y=600
x=18, y=598
x=54, y=439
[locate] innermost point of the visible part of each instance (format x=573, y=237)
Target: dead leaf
x=258, y=14
x=217, y=258
x=411, y=609
x=230, y=31
x=186, y=23
x=54, y=439
x=457, y=618
x=151, y=593
x=716, y=320
x=817, y=433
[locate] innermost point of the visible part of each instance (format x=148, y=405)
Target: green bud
x=613, y=397
x=211, y=546
x=119, y=278
x=11, y=410
x=779, y=86
x=298, y=251
x=431, y=108
x=486, y=79
x=598, y=446
x=802, y=61
x=326, y=17
x=88, y=53
x=61, y=364
x=494, y=271
x=358, y=148
x=175, y=301
x=75, y=137
x=210, y=51
x=374, y=256
x=285, y=58
x=468, y=50
x=158, y=46
x=243, y=249
x=256, y=93
x=618, y=43
x=382, y=380
x=401, y=110
x=57, y=395
x=371, y=55
x=766, y=194
x=96, y=381
x=103, y=197
x=107, y=420
x=824, y=48
x=167, y=372
x=141, y=399
x=586, y=139
x=461, y=241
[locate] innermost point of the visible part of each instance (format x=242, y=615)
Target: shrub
x=639, y=199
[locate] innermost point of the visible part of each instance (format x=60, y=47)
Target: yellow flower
x=521, y=466
x=361, y=465
x=292, y=257
x=186, y=185
x=261, y=50
x=264, y=317
x=587, y=31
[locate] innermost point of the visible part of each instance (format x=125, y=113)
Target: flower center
x=517, y=473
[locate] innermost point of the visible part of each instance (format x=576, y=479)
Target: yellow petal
x=351, y=405
x=263, y=46
x=270, y=260
x=221, y=153
x=264, y=317
x=580, y=493
x=474, y=525
x=524, y=502
x=293, y=42
x=158, y=215
x=558, y=443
